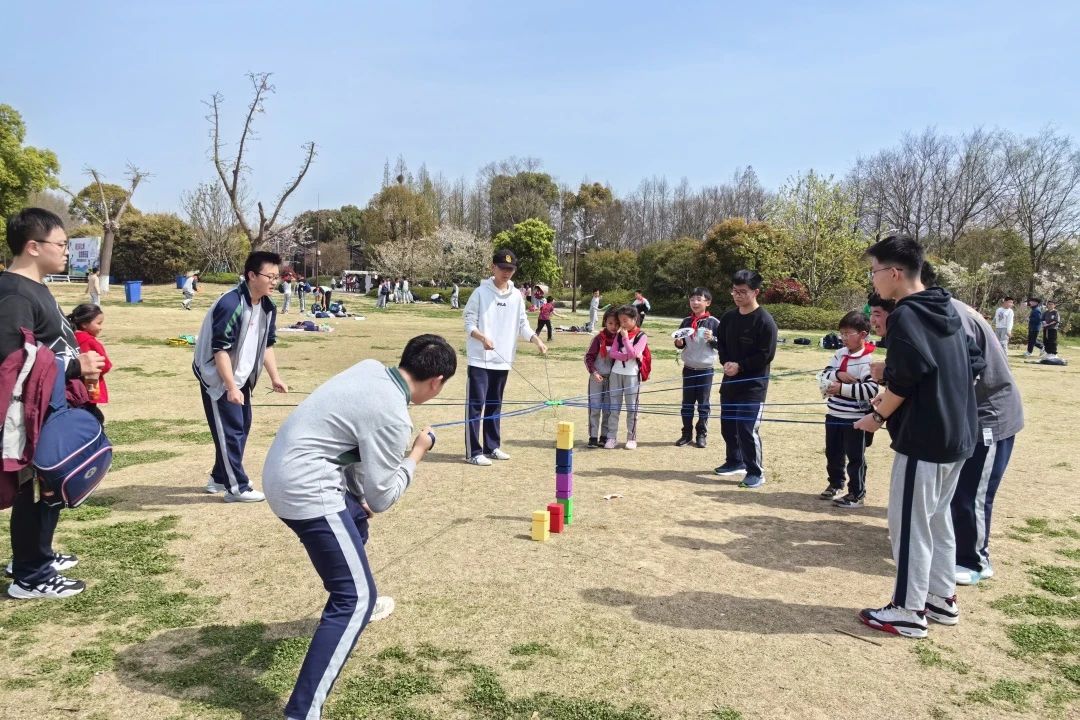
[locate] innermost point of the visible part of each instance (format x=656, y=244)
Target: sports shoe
x=246, y=496
x=610, y=444
x=943, y=610
x=60, y=563
x=498, y=454
x=967, y=576
x=988, y=571
x=730, y=469
x=213, y=487
x=684, y=440
x=384, y=605
x=593, y=443
x=895, y=620
x=849, y=501
x=54, y=588
x=479, y=460
x=631, y=444
x=752, y=481
x=831, y=493
x=701, y=441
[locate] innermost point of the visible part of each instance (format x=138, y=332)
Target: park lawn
x=684, y=598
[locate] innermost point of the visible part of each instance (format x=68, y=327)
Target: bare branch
x=309, y=148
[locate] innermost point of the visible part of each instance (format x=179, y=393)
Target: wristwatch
x=878, y=417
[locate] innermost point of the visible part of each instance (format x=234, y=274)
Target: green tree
x=589, y=209
x=533, y=241
x=515, y=198
x=23, y=169
x=982, y=246
x=397, y=214
x=738, y=244
x=672, y=268
x=608, y=270
x=154, y=248
x=91, y=204
x=825, y=252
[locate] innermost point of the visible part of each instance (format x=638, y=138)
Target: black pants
x=1050, y=338
x=740, y=421
x=1033, y=339
x=696, y=387
x=32, y=528
x=844, y=443
x=483, y=398
x=544, y=323
x=973, y=502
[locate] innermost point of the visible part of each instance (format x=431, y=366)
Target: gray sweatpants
x=920, y=524
x=622, y=389
x=1003, y=338
x=599, y=406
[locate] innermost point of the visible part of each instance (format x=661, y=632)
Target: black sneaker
x=849, y=501
x=831, y=493
x=730, y=469
x=684, y=440
x=593, y=443
x=60, y=563
x=54, y=588
x=701, y=441
x=601, y=441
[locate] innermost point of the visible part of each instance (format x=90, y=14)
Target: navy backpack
x=72, y=453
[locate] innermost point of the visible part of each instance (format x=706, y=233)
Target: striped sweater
x=853, y=402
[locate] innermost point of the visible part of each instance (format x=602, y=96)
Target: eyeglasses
x=63, y=246
x=871, y=273
x=741, y=293
x=271, y=278
x=850, y=334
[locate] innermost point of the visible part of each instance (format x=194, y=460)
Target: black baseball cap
x=504, y=256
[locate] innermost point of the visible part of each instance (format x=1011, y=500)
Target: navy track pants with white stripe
x=973, y=502
x=920, y=525
x=335, y=544
x=483, y=399
x=229, y=425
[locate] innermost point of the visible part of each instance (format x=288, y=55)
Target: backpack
x=72, y=454
x=645, y=364
x=831, y=342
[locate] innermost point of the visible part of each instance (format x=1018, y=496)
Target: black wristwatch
x=878, y=417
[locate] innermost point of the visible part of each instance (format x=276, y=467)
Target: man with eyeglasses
x=40, y=247
x=235, y=341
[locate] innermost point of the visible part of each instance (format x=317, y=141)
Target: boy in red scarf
x=598, y=362
x=699, y=360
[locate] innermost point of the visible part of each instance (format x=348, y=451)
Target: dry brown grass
x=686, y=594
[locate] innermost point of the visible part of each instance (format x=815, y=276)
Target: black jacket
x=749, y=340
x=932, y=363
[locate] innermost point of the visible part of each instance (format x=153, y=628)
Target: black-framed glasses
x=271, y=278
x=870, y=274
x=741, y=293
x=61, y=245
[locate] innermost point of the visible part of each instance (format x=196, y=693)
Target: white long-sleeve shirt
x=1003, y=319
x=499, y=315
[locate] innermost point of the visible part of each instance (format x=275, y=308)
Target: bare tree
x=210, y=215
x=233, y=174
x=108, y=219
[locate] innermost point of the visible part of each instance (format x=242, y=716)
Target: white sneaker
x=213, y=487
x=384, y=605
x=988, y=571
x=60, y=563
x=967, y=576
x=54, y=588
x=479, y=460
x=609, y=444
x=631, y=444
x=247, y=496
x=498, y=454
x=942, y=610
x=896, y=620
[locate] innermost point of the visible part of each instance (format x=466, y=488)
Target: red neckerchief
x=606, y=339
x=867, y=349
x=694, y=319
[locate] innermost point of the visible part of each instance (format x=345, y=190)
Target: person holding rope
x=494, y=318
x=699, y=360
x=746, y=347
x=338, y=458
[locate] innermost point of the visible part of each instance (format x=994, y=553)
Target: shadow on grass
x=694, y=610
x=804, y=501
x=789, y=545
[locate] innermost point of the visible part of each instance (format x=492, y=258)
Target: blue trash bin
x=180, y=282
x=133, y=291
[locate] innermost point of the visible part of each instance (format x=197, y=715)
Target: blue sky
x=609, y=91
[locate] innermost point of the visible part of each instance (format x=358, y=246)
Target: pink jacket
x=632, y=350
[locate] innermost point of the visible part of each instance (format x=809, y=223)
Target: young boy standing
x=1003, y=323
x=699, y=357
x=929, y=405
x=1035, y=319
x=1050, y=328
x=594, y=310
x=746, y=347
x=849, y=392
x=494, y=319
x=338, y=458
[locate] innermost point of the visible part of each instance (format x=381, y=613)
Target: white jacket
x=501, y=317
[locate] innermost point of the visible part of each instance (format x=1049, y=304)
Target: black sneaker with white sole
x=60, y=563
x=54, y=588
x=942, y=610
x=849, y=501
x=831, y=493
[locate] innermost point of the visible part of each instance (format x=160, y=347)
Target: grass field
x=685, y=598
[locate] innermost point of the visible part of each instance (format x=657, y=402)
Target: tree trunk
x=105, y=258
